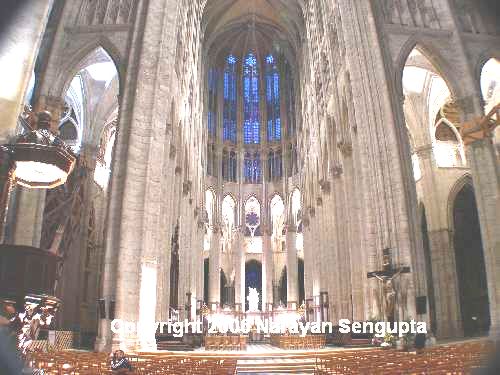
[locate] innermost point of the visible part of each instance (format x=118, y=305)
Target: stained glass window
x=273, y=100
x=290, y=101
x=251, y=125
x=229, y=125
x=212, y=100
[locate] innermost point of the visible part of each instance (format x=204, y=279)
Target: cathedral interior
x=338, y=157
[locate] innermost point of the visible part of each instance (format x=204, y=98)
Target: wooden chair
x=243, y=342
x=235, y=343
x=219, y=342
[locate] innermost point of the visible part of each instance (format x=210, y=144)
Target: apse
x=250, y=95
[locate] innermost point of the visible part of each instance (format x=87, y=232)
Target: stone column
x=485, y=175
x=19, y=46
x=214, y=266
x=133, y=237
x=239, y=269
x=292, y=286
x=147, y=302
x=308, y=259
x=268, y=271
x=389, y=215
x=200, y=262
x=447, y=304
x=315, y=250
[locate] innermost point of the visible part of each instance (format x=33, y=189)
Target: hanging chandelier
x=40, y=159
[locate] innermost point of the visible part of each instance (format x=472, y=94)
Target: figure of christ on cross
x=386, y=276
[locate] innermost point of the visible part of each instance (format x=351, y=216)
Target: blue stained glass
x=229, y=120
x=270, y=59
x=210, y=122
x=212, y=84
x=251, y=124
x=276, y=86
x=251, y=60
x=273, y=101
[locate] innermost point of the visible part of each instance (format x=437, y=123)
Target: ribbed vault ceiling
x=235, y=26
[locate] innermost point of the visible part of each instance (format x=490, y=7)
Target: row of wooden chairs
x=454, y=359
x=225, y=342
x=299, y=342
x=80, y=363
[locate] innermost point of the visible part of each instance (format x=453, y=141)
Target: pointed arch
x=442, y=68
x=489, y=80
x=490, y=53
x=460, y=183
x=277, y=215
x=470, y=260
x=77, y=61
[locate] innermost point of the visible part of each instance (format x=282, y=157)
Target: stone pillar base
x=104, y=340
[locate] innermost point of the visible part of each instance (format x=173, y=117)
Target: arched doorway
x=471, y=272
x=253, y=279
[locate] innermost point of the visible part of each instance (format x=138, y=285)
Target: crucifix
x=386, y=276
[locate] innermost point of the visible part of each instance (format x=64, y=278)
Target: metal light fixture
x=41, y=160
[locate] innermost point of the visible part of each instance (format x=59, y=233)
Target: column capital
x=88, y=156
x=325, y=186
x=336, y=170
x=345, y=148
x=266, y=229
x=463, y=105
x=291, y=228
x=424, y=151
x=312, y=211
x=172, y=152
x=305, y=221
x=186, y=187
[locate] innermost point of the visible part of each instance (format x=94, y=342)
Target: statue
x=253, y=300
x=387, y=275
x=389, y=293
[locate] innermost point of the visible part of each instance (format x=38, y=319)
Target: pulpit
x=26, y=270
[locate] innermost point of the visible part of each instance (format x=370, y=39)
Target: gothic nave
x=338, y=158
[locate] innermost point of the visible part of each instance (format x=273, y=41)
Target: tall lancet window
x=212, y=102
x=251, y=125
x=273, y=100
x=229, y=125
x=290, y=101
